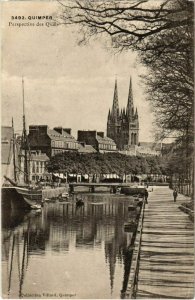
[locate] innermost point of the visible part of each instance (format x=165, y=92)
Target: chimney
x=58, y=129
x=68, y=130
x=35, y=129
x=101, y=133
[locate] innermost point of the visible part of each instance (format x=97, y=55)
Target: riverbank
x=54, y=192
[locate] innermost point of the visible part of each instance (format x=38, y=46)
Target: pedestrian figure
x=146, y=195
x=175, y=194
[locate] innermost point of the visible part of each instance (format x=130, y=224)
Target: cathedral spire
x=123, y=113
x=130, y=108
x=115, y=105
x=136, y=113
x=109, y=114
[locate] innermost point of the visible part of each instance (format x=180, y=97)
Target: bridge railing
x=134, y=272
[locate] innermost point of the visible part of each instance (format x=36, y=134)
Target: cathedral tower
x=133, y=122
x=113, y=122
x=123, y=126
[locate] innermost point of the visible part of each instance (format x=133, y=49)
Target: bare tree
x=128, y=23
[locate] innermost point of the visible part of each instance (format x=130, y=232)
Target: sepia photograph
x=97, y=149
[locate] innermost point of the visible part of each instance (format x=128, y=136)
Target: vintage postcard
x=97, y=195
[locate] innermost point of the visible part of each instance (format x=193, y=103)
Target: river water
x=67, y=252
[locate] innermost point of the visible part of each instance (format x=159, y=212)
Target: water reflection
x=68, y=251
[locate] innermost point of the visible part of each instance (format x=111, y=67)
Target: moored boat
x=65, y=195
x=30, y=195
x=79, y=202
x=133, y=190
x=36, y=206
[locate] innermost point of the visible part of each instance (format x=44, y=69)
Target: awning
x=59, y=175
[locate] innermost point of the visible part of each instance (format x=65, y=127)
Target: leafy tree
x=103, y=164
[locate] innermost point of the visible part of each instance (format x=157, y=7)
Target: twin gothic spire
x=114, y=115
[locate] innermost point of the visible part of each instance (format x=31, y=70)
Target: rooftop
x=105, y=140
x=86, y=149
x=54, y=135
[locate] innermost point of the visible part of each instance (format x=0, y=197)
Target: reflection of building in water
x=62, y=228
x=15, y=253
x=115, y=242
x=59, y=238
x=86, y=235
x=37, y=240
x=18, y=244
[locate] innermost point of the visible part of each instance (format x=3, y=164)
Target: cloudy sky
x=65, y=84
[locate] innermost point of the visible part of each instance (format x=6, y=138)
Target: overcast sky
x=65, y=84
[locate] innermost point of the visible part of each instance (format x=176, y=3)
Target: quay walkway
x=166, y=257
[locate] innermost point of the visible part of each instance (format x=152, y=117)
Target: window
x=42, y=166
x=33, y=167
x=4, y=142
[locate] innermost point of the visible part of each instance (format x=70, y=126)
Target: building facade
x=149, y=149
x=123, y=125
x=36, y=166
x=97, y=140
x=51, y=141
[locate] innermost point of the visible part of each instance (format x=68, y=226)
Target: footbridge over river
x=112, y=185
x=92, y=185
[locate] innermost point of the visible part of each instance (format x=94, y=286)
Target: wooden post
x=93, y=189
x=71, y=188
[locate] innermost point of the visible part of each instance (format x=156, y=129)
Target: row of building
x=44, y=143
x=122, y=134
x=59, y=140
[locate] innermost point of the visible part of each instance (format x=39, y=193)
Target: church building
x=123, y=125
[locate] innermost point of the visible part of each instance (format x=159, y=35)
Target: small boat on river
x=65, y=195
x=138, y=190
x=79, y=202
x=36, y=206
